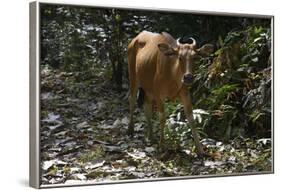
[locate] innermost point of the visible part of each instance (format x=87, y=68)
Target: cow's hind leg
x=133, y=82
x=148, y=114
x=132, y=101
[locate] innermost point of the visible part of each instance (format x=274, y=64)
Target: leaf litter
x=84, y=139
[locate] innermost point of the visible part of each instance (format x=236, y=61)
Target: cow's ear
x=167, y=49
x=206, y=50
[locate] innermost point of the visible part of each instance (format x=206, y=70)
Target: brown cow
x=161, y=66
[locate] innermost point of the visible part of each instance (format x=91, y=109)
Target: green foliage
x=221, y=94
x=235, y=85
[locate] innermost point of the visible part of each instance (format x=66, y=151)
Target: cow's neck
x=171, y=75
x=170, y=70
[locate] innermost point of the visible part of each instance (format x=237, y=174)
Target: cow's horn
x=193, y=41
x=178, y=41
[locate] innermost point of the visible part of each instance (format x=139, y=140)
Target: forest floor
x=84, y=138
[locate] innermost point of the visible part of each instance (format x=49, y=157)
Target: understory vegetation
x=84, y=97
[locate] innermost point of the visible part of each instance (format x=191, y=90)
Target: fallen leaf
x=149, y=149
x=110, y=148
x=105, y=126
x=117, y=122
x=83, y=125
x=51, y=118
x=137, y=154
x=79, y=176
x=48, y=164
x=213, y=163
x=125, y=120
x=95, y=164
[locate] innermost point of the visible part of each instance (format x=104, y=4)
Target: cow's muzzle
x=187, y=79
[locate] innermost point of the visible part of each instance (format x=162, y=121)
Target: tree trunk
x=117, y=66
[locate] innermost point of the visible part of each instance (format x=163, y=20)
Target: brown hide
x=154, y=66
x=159, y=75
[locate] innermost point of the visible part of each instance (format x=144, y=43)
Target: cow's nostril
x=188, y=78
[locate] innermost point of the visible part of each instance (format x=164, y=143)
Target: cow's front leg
x=185, y=98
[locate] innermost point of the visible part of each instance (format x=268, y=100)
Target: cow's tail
x=132, y=49
x=132, y=70
x=132, y=61
x=140, y=97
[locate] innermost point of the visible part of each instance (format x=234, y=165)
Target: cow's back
x=152, y=70
x=146, y=59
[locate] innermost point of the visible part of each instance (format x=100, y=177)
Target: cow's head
x=184, y=55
